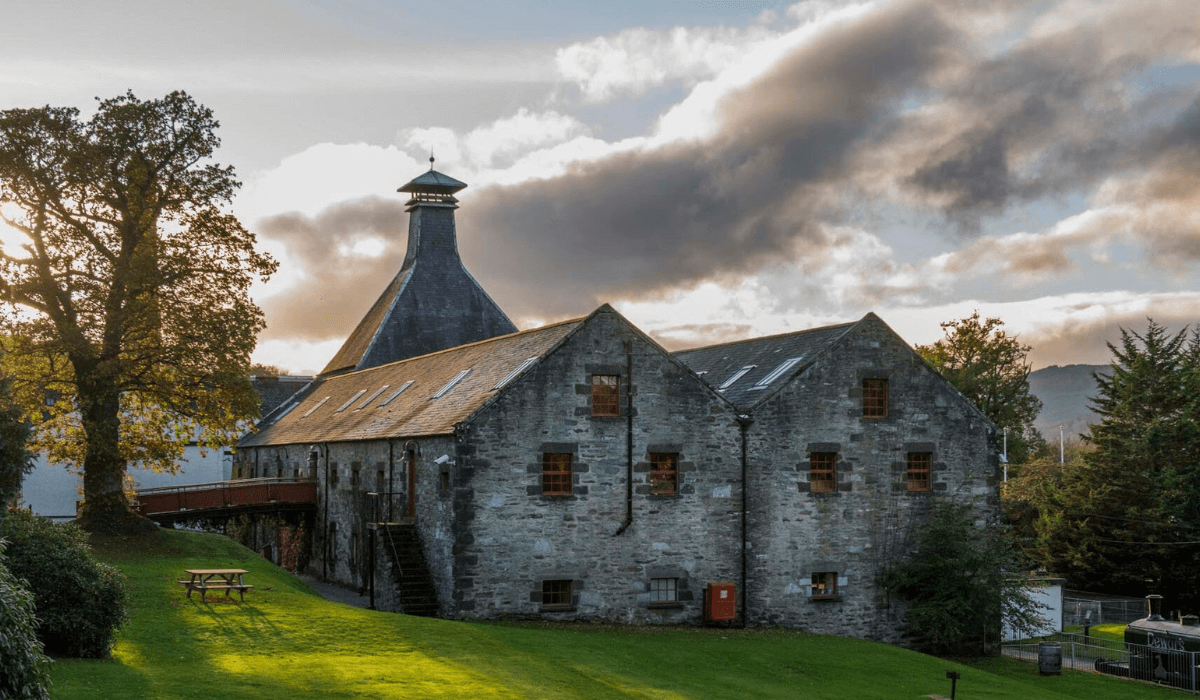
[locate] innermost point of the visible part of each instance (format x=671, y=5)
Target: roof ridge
x=767, y=337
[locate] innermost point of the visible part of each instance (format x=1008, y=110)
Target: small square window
x=333, y=474
x=824, y=584
x=664, y=591
x=918, y=471
x=822, y=477
x=664, y=472
x=556, y=594
x=556, y=474
x=354, y=476
x=444, y=480
x=606, y=395
x=874, y=398
x=380, y=481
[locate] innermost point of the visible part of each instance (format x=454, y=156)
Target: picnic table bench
x=205, y=580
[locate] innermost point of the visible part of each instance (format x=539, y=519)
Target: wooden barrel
x=1049, y=659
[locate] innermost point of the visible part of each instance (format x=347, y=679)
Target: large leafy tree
x=129, y=321
x=989, y=367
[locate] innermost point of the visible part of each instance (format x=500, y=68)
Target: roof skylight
x=450, y=384
x=777, y=372
x=320, y=403
x=352, y=400
x=392, y=396
x=287, y=411
x=371, y=398
x=513, y=374
x=736, y=376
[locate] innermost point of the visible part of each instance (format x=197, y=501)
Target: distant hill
x=1065, y=393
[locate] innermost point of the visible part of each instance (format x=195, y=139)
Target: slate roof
x=717, y=364
x=433, y=181
x=273, y=391
x=352, y=406
x=359, y=340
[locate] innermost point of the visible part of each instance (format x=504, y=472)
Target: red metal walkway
x=226, y=498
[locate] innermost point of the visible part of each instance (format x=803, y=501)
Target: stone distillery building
x=581, y=471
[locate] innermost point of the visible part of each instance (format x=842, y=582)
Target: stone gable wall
x=866, y=522
x=513, y=538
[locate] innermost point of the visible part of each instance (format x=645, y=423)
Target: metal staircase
x=410, y=572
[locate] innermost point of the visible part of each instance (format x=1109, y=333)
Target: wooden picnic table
x=205, y=580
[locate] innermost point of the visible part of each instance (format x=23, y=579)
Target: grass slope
x=286, y=642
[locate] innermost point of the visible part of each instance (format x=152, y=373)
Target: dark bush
x=22, y=662
x=80, y=602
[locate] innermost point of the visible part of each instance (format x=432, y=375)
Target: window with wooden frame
x=824, y=585
x=664, y=591
x=917, y=474
x=822, y=477
x=664, y=472
x=874, y=397
x=556, y=474
x=606, y=395
x=556, y=594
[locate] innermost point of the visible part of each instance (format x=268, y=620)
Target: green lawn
x=286, y=642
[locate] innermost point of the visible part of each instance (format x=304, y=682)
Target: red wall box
x=720, y=601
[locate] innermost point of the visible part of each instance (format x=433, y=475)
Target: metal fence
x=1177, y=669
x=1083, y=609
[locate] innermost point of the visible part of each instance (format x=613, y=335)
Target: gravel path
x=336, y=593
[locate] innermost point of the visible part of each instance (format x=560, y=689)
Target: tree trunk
x=105, y=507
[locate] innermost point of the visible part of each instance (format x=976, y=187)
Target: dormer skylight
x=736, y=376
x=371, y=398
x=513, y=374
x=777, y=372
x=450, y=384
x=352, y=400
x=392, y=396
x=320, y=403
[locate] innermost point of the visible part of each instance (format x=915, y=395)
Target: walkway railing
x=224, y=494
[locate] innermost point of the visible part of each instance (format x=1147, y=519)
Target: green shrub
x=80, y=602
x=958, y=586
x=24, y=664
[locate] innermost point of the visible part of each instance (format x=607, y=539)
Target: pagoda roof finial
x=432, y=188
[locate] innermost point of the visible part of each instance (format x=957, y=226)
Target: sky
x=714, y=169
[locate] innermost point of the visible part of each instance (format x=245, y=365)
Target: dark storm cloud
x=753, y=194
x=1057, y=114
x=339, y=283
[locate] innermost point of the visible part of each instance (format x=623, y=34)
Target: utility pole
x=1062, y=447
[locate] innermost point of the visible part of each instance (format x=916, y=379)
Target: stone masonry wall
x=852, y=532
x=511, y=538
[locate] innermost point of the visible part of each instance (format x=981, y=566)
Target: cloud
x=1053, y=113
x=1082, y=338
x=348, y=252
x=752, y=184
x=685, y=212
x=506, y=139
x=636, y=60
